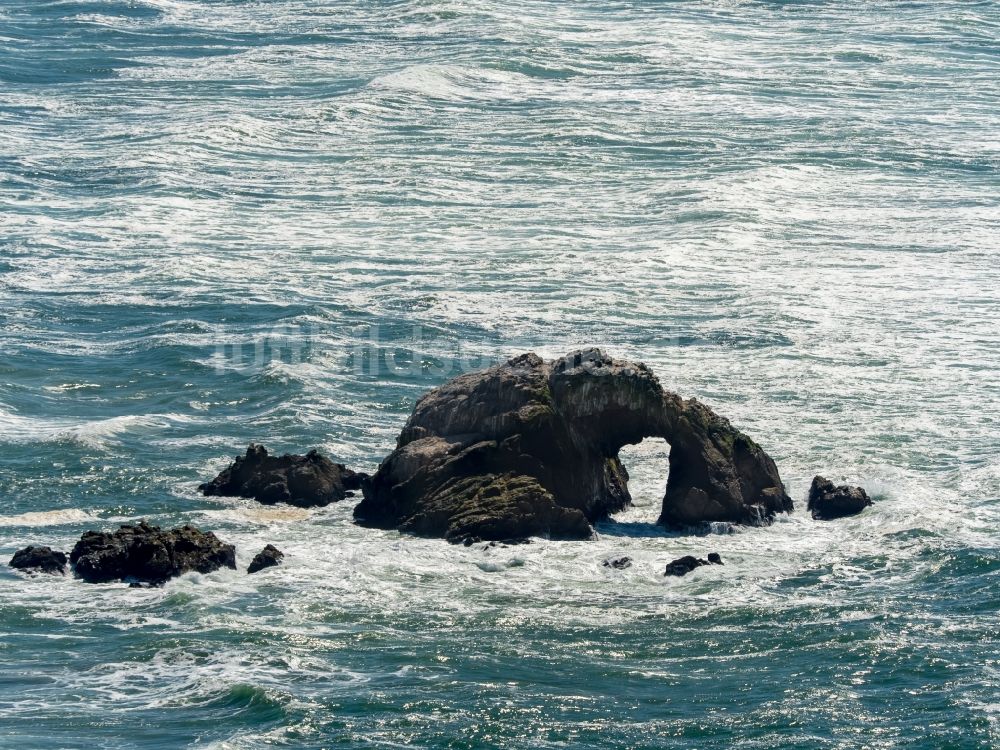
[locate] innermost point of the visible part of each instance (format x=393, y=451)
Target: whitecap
x=98, y=433
x=259, y=514
x=48, y=518
x=455, y=82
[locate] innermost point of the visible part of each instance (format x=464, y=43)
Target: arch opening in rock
x=646, y=465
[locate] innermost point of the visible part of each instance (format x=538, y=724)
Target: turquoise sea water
x=217, y=218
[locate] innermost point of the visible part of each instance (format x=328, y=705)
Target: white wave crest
x=98, y=433
x=47, y=518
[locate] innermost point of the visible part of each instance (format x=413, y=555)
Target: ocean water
x=282, y=221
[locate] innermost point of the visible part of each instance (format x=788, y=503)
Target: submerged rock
x=34, y=559
x=266, y=558
x=505, y=543
x=828, y=501
x=144, y=553
x=684, y=565
x=304, y=481
x=618, y=563
x=530, y=447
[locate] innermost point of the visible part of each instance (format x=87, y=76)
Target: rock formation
x=39, y=560
x=266, y=558
x=530, y=447
x=684, y=565
x=147, y=554
x=305, y=481
x=618, y=563
x=827, y=501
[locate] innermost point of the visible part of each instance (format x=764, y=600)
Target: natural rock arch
x=531, y=447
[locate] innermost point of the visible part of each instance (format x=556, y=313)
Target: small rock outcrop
x=828, y=501
x=305, y=481
x=36, y=559
x=147, y=554
x=684, y=565
x=266, y=558
x=618, y=563
x=530, y=448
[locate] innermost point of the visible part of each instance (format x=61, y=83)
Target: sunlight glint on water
x=213, y=212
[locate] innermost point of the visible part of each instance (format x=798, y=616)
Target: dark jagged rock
x=684, y=565
x=144, y=553
x=827, y=501
x=305, y=481
x=619, y=563
x=39, y=560
x=530, y=448
x=266, y=558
